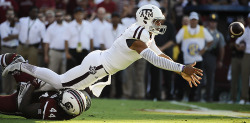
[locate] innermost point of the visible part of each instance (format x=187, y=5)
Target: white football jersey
x=120, y=56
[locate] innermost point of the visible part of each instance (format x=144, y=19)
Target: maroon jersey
x=50, y=109
x=8, y=104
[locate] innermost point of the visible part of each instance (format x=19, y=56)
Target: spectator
x=88, y=6
x=145, y=2
x=50, y=17
x=245, y=66
x=24, y=7
x=134, y=75
x=98, y=25
x=178, y=13
x=210, y=56
x=67, y=18
x=54, y=44
x=9, y=42
x=194, y=40
x=179, y=88
x=4, y=6
x=72, y=4
x=79, y=39
x=109, y=6
x=128, y=14
x=185, y=20
x=45, y=5
x=165, y=42
x=134, y=80
x=113, y=31
x=128, y=8
x=31, y=33
x=236, y=66
x=61, y=4
x=41, y=17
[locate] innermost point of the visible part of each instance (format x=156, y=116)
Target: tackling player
x=136, y=42
x=53, y=105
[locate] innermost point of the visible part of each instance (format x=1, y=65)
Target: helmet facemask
x=72, y=101
x=156, y=27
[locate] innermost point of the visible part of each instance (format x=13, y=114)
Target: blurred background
x=58, y=34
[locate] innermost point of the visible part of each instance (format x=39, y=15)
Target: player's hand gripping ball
x=236, y=29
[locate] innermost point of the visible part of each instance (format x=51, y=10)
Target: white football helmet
x=74, y=102
x=147, y=17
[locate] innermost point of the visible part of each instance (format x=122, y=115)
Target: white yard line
x=202, y=110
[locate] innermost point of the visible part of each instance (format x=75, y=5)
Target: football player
x=53, y=105
x=136, y=42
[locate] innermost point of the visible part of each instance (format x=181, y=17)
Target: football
x=236, y=29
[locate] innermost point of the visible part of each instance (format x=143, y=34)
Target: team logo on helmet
x=92, y=70
x=146, y=14
x=68, y=105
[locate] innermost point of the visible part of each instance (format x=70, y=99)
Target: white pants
x=79, y=77
x=86, y=74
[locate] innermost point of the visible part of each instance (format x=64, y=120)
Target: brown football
x=236, y=29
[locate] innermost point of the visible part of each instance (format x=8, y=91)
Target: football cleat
x=10, y=58
x=12, y=68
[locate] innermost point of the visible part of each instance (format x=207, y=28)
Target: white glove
x=11, y=68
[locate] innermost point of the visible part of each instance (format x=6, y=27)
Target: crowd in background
x=58, y=34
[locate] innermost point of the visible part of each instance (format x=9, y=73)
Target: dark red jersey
x=50, y=109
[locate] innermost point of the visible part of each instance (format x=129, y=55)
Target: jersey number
x=53, y=110
x=51, y=114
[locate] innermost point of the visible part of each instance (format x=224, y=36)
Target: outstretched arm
x=188, y=72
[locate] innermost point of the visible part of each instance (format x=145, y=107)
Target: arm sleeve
x=179, y=36
x=3, y=31
x=43, y=30
x=47, y=37
x=241, y=38
x=208, y=36
x=161, y=62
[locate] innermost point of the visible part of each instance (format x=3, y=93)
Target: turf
x=120, y=111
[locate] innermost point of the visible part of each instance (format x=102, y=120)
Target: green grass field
x=110, y=110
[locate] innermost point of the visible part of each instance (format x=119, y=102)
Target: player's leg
x=80, y=76
x=86, y=74
x=8, y=104
x=43, y=74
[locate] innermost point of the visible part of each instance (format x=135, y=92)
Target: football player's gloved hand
x=12, y=68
